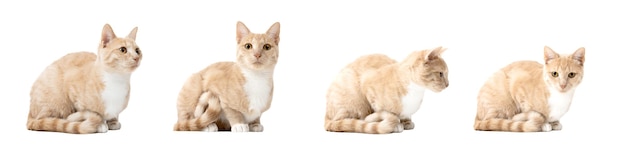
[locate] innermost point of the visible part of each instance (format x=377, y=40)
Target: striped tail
x=210, y=114
x=524, y=122
x=82, y=122
x=375, y=123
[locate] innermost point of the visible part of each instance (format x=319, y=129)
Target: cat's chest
x=114, y=94
x=257, y=87
x=412, y=100
x=559, y=104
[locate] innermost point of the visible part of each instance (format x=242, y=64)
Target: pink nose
x=562, y=86
x=258, y=55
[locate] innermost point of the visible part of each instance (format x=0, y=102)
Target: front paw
x=103, y=128
x=256, y=128
x=239, y=128
x=114, y=125
x=556, y=125
x=408, y=124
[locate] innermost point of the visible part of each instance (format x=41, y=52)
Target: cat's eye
x=137, y=51
x=441, y=74
x=123, y=49
x=571, y=75
x=555, y=74
x=267, y=47
x=248, y=46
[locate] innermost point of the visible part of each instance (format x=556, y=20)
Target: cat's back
x=76, y=60
x=370, y=62
x=225, y=70
x=523, y=67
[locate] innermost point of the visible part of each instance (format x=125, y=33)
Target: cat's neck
x=267, y=72
x=109, y=74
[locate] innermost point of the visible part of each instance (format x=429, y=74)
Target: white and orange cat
x=83, y=92
x=231, y=96
x=527, y=96
x=377, y=95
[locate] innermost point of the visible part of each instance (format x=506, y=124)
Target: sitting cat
x=377, y=95
x=527, y=96
x=231, y=96
x=83, y=92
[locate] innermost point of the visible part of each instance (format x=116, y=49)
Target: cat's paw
x=211, y=128
x=256, y=128
x=556, y=125
x=399, y=128
x=114, y=125
x=408, y=124
x=546, y=127
x=239, y=128
x=103, y=128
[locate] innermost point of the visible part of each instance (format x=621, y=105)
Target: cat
x=527, y=96
x=82, y=92
x=231, y=96
x=377, y=95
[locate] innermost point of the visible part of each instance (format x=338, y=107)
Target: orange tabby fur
x=367, y=95
x=524, y=96
x=231, y=96
x=71, y=95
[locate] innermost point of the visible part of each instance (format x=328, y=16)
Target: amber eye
x=137, y=51
x=248, y=46
x=267, y=47
x=123, y=49
x=571, y=75
x=555, y=74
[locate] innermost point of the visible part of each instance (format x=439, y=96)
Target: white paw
x=546, y=127
x=211, y=128
x=103, y=128
x=239, y=128
x=399, y=128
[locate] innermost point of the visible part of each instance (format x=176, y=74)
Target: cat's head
x=257, y=51
x=119, y=54
x=563, y=72
x=428, y=68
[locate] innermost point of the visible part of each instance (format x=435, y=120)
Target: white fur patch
x=116, y=87
x=412, y=101
x=257, y=88
x=559, y=103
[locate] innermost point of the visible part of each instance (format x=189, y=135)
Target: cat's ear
x=242, y=31
x=434, y=53
x=107, y=35
x=132, y=34
x=579, y=55
x=549, y=54
x=274, y=32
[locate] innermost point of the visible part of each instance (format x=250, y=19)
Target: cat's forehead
x=257, y=38
x=564, y=64
x=123, y=42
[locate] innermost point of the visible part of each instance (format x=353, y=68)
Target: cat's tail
x=82, y=122
x=208, y=116
x=375, y=123
x=531, y=121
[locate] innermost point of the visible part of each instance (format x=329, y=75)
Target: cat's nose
x=136, y=59
x=257, y=55
x=562, y=86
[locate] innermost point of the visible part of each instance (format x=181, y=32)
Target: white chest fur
x=559, y=103
x=412, y=101
x=257, y=87
x=114, y=95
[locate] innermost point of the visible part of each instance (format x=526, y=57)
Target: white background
x=318, y=38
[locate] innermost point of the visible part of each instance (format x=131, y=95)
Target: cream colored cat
x=375, y=94
x=527, y=96
x=231, y=96
x=83, y=92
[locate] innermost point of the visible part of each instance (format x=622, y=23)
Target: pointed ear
x=549, y=54
x=579, y=55
x=107, y=35
x=242, y=31
x=274, y=32
x=434, y=53
x=132, y=34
